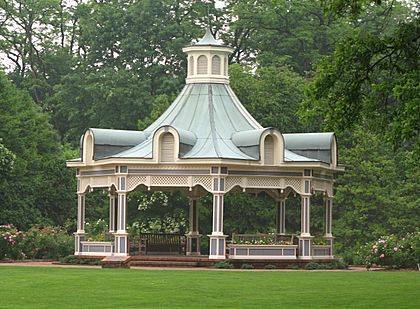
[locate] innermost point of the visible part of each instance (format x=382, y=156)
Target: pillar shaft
x=281, y=217
x=80, y=213
x=328, y=217
x=79, y=236
x=217, y=239
x=112, y=212
x=305, y=238
x=121, y=239
x=305, y=216
x=193, y=236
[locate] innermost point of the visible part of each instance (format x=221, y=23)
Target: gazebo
x=206, y=141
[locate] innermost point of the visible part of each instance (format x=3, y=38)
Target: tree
x=272, y=95
x=371, y=79
x=39, y=187
x=377, y=195
x=6, y=161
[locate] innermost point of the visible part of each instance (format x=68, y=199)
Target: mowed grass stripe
x=43, y=287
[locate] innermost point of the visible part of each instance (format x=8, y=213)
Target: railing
x=321, y=251
x=100, y=248
x=240, y=251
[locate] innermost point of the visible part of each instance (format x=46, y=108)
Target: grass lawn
x=42, y=287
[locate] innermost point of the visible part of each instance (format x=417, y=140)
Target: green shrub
x=311, y=266
x=247, y=266
x=69, y=259
x=270, y=266
x=223, y=265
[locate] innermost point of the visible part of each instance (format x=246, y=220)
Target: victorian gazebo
x=206, y=141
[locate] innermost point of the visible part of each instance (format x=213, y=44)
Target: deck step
x=150, y=263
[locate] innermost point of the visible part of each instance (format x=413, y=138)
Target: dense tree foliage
x=347, y=66
x=37, y=188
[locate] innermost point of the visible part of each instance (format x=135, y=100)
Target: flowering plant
x=10, y=242
x=390, y=251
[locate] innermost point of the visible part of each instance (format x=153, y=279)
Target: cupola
x=207, y=61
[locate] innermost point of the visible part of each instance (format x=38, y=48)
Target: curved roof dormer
x=101, y=143
x=261, y=144
x=319, y=146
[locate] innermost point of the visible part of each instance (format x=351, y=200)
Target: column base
x=78, y=238
x=193, y=243
x=217, y=247
x=305, y=247
x=330, y=241
x=121, y=244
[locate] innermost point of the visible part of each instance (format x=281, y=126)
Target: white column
x=121, y=239
x=193, y=236
x=305, y=238
x=112, y=200
x=79, y=236
x=329, y=238
x=281, y=216
x=217, y=239
x=328, y=217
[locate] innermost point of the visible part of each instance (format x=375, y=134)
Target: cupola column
x=305, y=238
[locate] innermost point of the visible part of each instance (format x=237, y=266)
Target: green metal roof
x=208, y=39
x=311, y=145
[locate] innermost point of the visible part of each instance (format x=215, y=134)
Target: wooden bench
x=158, y=243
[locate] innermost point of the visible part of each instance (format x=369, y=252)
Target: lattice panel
x=263, y=182
x=169, y=181
x=205, y=181
x=232, y=181
x=296, y=184
x=134, y=181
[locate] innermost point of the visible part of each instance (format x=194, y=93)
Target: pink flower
x=375, y=250
x=395, y=249
x=382, y=256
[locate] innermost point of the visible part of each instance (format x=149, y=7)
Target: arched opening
x=191, y=66
x=215, y=65
x=167, y=143
x=269, y=150
x=202, y=65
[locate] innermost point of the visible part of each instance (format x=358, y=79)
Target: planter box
x=322, y=251
x=102, y=248
x=266, y=252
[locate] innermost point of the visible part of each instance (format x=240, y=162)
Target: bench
x=158, y=243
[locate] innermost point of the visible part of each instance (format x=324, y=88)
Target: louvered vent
x=167, y=148
x=202, y=65
x=269, y=150
x=215, y=65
